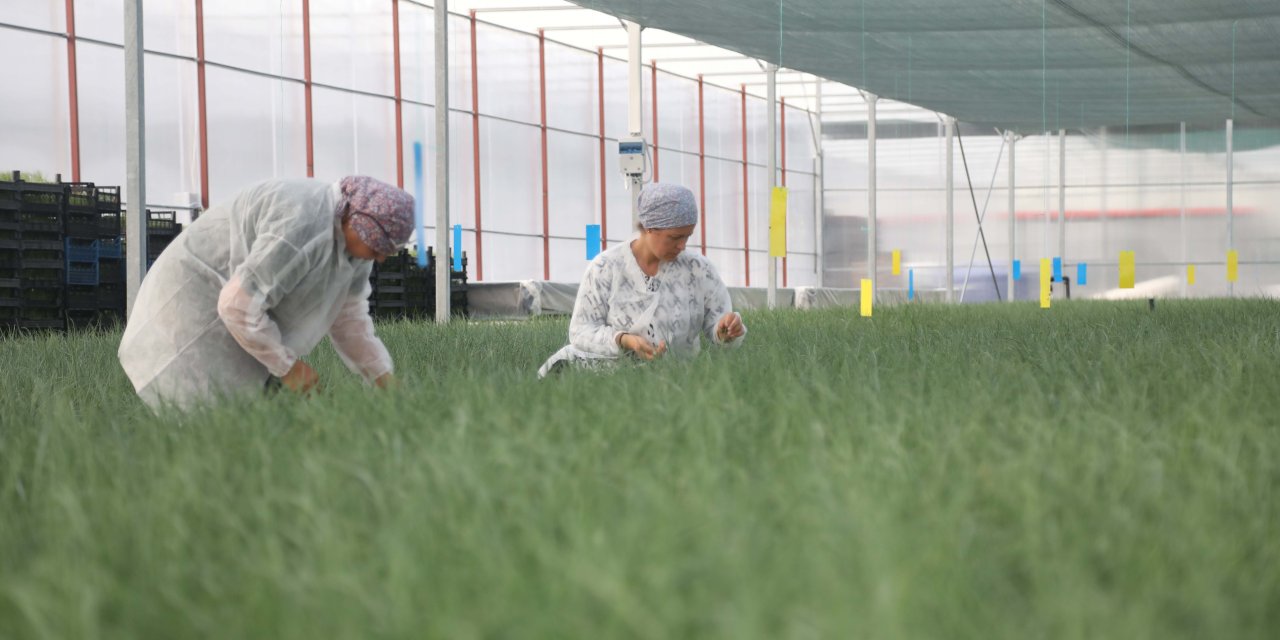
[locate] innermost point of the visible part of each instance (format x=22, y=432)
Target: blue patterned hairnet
x=665, y=206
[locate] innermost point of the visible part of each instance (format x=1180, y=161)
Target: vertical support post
x=542, y=110
x=1013, y=216
x=395, y=52
x=1062, y=197
x=653, y=90
x=604, y=185
x=635, y=106
x=746, y=193
x=950, y=124
x=782, y=155
x=135, y=150
x=201, y=108
x=871, y=99
x=1182, y=199
x=475, y=147
x=771, y=164
x=306, y=86
x=1102, y=164
x=819, y=192
x=73, y=93
x=702, y=171
x=1231, y=214
x=443, y=266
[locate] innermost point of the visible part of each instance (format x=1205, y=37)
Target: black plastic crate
x=109, y=224
x=10, y=243
x=82, y=298
x=10, y=279
x=110, y=271
x=162, y=223
x=43, y=263
x=55, y=324
x=108, y=199
x=110, y=296
x=82, y=196
x=83, y=226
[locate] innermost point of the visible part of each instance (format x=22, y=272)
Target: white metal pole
x=951, y=209
x=1102, y=164
x=1182, y=199
x=135, y=151
x=1231, y=214
x=871, y=99
x=1013, y=254
x=635, y=107
x=771, y=82
x=443, y=264
x=1062, y=197
x=819, y=195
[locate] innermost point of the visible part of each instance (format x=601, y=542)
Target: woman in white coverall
x=650, y=296
x=256, y=283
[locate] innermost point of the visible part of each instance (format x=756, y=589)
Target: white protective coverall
x=243, y=292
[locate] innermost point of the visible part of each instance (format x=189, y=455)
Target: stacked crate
x=80, y=241
x=402, y=289
x=31, y=254
x=111, y=284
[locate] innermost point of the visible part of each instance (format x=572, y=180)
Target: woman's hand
x=730, y=328
x=301, y=378
x=641, y=347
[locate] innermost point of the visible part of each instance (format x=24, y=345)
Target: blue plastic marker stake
x=1017, y=269
x=1057, y=269
x=1082, y=274
x=911, y=284
x=593, y=241
x=457, y=247
x=419, y=195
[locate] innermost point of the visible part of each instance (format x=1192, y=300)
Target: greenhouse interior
x=1008, y=267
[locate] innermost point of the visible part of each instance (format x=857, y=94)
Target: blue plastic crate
x=82, y=274
x=110, y=249
x=82, y=251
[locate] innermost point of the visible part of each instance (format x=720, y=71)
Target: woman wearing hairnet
x=648, y=296
x=256, y=283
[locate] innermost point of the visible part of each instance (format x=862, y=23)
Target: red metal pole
x=653, y=89
x=306, y=80
x=782, y=130
x=201, y=110
x=604, y=201
x=702, y=170
x=73, y=91
x=475, y=146
x=395, y=46
x=746, y=196
x=546, y=204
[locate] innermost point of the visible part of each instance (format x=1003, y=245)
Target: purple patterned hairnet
x=380, y=214
x=666, y=206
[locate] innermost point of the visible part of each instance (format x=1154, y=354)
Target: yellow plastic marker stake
x=897, y=262
x=866, y=297
x=1046, y=275
x=1233, y=265
x=1126, y=270
x=778, y=223
x=1191, y=274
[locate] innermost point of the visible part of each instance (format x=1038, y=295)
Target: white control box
x=631, y=157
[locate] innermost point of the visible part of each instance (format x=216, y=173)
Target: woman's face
x=357, y=248
x=667, y=244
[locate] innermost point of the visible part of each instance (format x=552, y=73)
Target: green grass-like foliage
x=1096, y=470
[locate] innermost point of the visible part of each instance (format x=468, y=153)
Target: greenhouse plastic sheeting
x=1030, y=66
